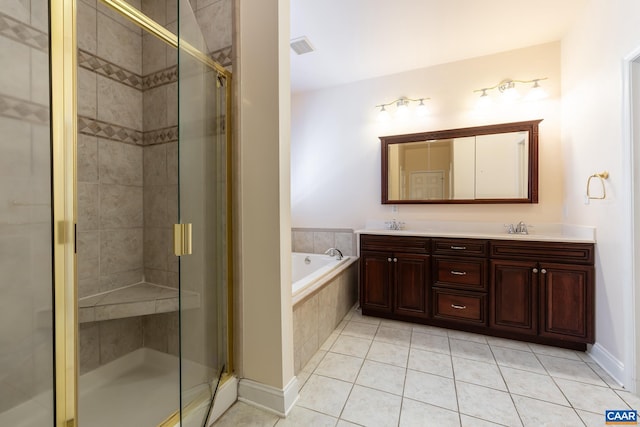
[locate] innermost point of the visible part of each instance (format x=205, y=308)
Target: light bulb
x=402, y=108
x=421, y=109
x=484, y=101
x=383, y=115
x=536, y=93
x=510, y=94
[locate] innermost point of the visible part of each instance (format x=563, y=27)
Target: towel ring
x=602, y=176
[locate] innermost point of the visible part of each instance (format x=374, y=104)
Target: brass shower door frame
x=63, y=64
x=150, y=25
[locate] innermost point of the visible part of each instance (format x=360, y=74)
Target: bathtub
x=310, y=271
x=324, y=290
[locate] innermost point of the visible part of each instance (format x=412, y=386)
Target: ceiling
x=361, y=39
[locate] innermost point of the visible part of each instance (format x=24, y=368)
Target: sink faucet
x=394, y=225
x=334, y=252
x=519, y=228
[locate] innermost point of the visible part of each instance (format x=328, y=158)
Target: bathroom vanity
x=513, y=287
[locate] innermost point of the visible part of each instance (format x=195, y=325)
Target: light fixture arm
x=403, y=100
x=509, y=83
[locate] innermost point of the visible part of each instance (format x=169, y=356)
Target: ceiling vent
x=301, y=45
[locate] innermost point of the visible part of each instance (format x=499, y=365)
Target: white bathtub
x=310, y=271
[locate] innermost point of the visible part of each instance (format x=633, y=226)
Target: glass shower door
x=202, y=153
x=26, y=270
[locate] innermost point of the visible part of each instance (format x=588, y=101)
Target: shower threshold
x=138, y=299
x=140, y=389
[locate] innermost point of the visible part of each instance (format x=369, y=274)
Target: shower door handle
x=182, y=239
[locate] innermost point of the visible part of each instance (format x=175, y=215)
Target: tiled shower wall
x=318, y=240
x=110, y=173
x=26, y=344
x=128, y=163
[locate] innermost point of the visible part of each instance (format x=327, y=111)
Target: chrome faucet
x=334, y=252
x=394, y=225
x=519, y=228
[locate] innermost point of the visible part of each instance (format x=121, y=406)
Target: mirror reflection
x=490, y=164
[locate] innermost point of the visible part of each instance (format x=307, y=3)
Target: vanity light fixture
x=402, y=108
x=509, y=92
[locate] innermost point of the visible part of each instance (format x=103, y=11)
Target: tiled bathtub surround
x=315, y=317
x=26, y=345
x=318, y=240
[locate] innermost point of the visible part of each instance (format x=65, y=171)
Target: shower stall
x=115, y=265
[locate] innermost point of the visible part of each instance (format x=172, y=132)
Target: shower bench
x=139, y=299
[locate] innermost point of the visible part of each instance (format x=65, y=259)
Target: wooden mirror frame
x=529, y=126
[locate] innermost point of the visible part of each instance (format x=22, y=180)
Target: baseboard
x=226, y=396
x=610, y=364
x=278, y=401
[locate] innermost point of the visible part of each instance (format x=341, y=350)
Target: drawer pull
x=458, y=307
x=458, y=248
x=458, y=273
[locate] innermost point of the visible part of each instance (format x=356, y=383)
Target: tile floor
x=376, y=372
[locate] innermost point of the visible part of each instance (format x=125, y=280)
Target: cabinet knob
x=395, y=260
x=389, y=259
x=543, y=271
x=458, y=307
x=535, y=270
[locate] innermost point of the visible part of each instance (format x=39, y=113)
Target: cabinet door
x=566, y=302
x=375, y=279
x=514, y=296
x=412, y=273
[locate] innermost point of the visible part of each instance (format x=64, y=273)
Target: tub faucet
x=334, y=252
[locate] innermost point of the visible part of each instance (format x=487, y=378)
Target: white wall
x=335, y=150
x=592, y=133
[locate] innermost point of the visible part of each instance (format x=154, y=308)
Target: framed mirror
x=483, y=164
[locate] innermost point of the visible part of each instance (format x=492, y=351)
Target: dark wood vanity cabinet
x=544, y=289
x=514, y=302
x=394, y=276
x=529, y=290
x=459, y=285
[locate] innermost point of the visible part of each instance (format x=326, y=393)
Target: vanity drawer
x=467, y=273
x=461, y=247
x=579, y=253
x=383, y=243
x=457, y=305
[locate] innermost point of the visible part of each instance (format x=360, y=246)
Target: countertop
x=537, y=232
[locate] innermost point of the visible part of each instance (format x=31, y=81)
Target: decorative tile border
x=160, y=136
x=23, y=33
x=222, y=56
x=108, y=69
x=159, y=78
x=24, y=110
x=110, y=131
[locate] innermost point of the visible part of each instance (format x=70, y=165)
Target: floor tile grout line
x=455, y=383
x=353, y=384
x=506, y=386
x=558, y=386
